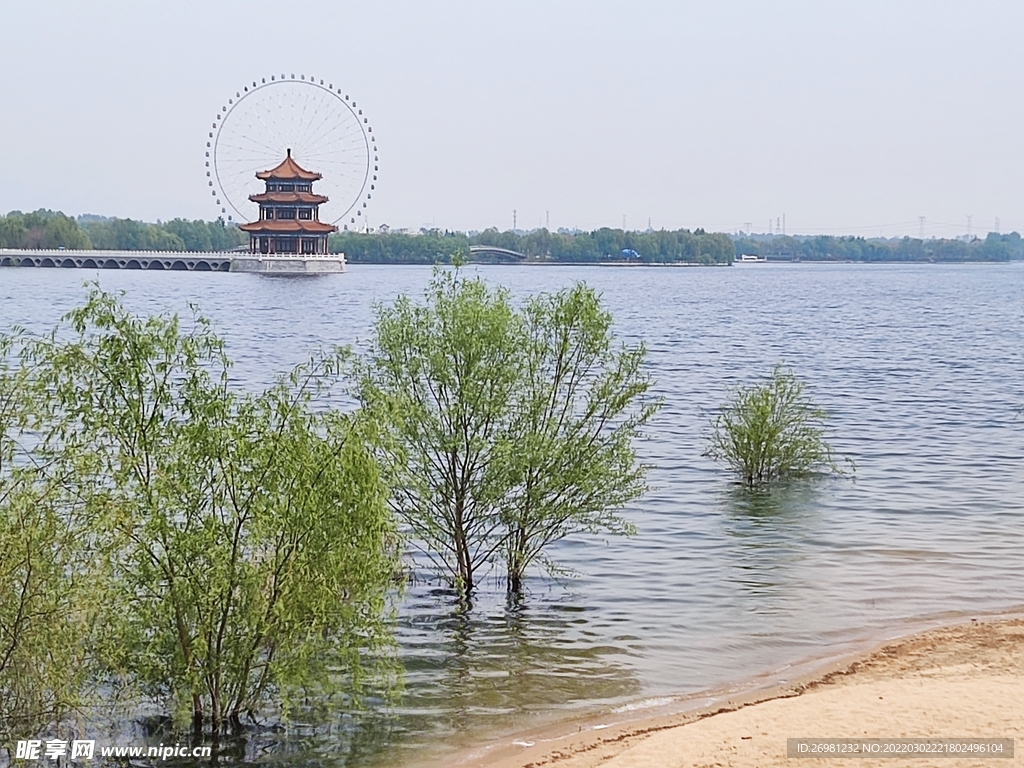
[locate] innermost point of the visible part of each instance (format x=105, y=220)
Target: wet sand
x=964, y=681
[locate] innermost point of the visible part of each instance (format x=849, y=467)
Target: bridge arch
x=494, y=253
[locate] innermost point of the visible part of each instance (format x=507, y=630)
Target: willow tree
x=439, y=380
x=247, y=535
x=581, y=403
x=772, y=431
x=50, y=593
x=504, y=429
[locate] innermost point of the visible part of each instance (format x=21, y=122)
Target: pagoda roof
x=288, y=170
x=288, y=197
x=288, y=227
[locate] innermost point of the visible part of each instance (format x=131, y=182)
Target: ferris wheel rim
x=368, y=140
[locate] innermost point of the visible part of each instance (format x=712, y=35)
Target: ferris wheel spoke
x=349, y=131
x=251, y=140
x=271, y=131
x=246, y=154
x=321, y=131
x=336, y=117
x=329, y=163
x=327, y=153
x=255, y=143
x=306, y=104
x=323, y=107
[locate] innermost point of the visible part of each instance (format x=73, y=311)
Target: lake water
x=921, y=368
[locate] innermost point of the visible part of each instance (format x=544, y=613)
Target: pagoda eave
x=288, y=170
x=284, y=198
x=289, y=227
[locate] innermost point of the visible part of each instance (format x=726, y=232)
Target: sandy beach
x=959, y=682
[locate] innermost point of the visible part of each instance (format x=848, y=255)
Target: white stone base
x=289, y=265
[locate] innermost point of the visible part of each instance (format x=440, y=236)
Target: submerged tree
x=50, y=594
x=503, y=430
x=579, y=407
x=247, y=535
x=772, y=431
x=440, y=381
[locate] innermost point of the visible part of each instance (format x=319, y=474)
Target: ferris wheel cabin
x=289, y=222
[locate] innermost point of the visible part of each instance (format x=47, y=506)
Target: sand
x=965, y=681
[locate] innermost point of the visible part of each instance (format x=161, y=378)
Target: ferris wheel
x=325, y=130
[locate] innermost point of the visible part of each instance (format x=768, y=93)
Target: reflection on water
x=918, y=365
x=499, y=665
x=771, y=527
x=495, y=667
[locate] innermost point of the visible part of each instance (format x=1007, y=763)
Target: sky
x=843, y=117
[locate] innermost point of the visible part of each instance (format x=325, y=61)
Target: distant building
x=289, y=220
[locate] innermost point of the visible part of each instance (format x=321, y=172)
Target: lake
x=921, y=368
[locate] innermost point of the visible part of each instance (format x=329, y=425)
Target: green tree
x=12, y=230
x=204, y=235
x=247, y=535
x=49, y=596
x=41, y=229
x=503, y=430
x=772, y=431
x=579, y=405
x=131, y=235
x=440, y=380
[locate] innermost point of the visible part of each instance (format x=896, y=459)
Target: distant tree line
x=432, y=247
x=994, y=247
x=604, y=244
x=52, y=229
x=42, y=229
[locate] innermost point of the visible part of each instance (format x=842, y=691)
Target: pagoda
x=289, y=220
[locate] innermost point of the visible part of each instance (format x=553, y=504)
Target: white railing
x=74, y=254
x=68, y=253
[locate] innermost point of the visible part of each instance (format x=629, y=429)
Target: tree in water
x=246, y=537
x=503, y=430
x=772, y=431
x=579, y=409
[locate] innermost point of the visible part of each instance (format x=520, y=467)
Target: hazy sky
x=853, y=117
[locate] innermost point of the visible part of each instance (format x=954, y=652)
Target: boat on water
x=750, y=258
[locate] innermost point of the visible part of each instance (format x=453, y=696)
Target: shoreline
x=950, y=655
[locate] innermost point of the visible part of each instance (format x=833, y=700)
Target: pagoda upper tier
x=288, y=170
x=289, y=220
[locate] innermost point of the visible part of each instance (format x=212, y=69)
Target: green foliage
x=174, y=235
x=131, y=235
x=49, y=229
x=245, y=538
x=580, y=403
x=41, y=229
x=429, y=248
x=994, y=247
x=49, y=598
x=503, y=430
x=439, y=380
x=433, y=246
x=205, y=235
x=771, y=431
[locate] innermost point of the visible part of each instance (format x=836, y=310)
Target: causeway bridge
x=175, y=261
